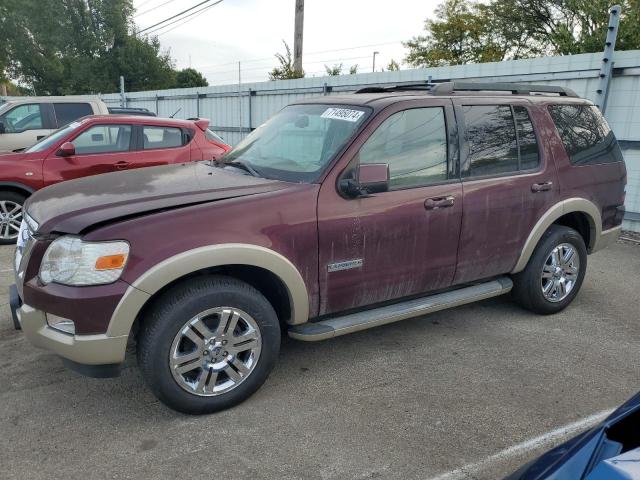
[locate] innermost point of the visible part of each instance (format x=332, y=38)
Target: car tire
x=551, y=280
x=10, y=216
x=186, y=328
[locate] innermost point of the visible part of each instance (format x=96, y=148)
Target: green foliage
x=466, y=31
x=334, y=71
x=353, y=69
x=190, y=77
x=393, y=66
x=79, y=46
x=285, y=70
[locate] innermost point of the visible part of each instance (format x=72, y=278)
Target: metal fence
x=235, y=110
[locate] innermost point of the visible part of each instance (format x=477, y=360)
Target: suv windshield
x=297, y=143
x=52, y=138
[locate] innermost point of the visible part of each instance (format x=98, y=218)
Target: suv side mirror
x=2, y=128
x=67, y=149
x=370, y=178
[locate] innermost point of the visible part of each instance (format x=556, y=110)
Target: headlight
x=70, y=261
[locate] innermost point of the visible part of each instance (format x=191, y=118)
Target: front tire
x=10, y=216
x=555, y=272
x=208, y=344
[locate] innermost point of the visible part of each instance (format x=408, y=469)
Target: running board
x=336, y=326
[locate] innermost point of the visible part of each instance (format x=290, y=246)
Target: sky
x=251, y=31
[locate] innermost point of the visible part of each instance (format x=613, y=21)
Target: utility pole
x=297, y=37
x=374, y=60
x=3, y=89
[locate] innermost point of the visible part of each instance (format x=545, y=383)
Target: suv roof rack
x=447, y=88
x=426, y=86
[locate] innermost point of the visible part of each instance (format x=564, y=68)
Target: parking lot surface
x=415, y=399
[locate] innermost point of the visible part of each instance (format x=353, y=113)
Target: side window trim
x=515, y=128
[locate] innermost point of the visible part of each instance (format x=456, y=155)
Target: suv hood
x=75, y=205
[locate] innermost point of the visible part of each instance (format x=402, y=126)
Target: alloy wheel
x=10, y=219
x=215, y=351
x=560, y=272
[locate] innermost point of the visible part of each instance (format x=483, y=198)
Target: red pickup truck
x=98, y=144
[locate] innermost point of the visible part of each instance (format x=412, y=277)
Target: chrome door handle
x=439, y=202
x=541, y=187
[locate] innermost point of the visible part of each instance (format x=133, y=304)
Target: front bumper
x=98, y=349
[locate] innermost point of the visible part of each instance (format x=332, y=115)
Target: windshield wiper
x=238, y=164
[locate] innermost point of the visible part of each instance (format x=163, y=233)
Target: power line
x=176, y=15
x=144, y=3
x=202, y=10
x=154, y=8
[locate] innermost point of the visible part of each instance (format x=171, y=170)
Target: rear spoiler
x=201, y=123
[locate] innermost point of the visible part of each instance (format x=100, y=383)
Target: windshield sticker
x=342, y=114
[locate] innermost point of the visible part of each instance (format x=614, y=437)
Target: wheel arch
x=242, y=261
x=16, y=187
x=578, y=213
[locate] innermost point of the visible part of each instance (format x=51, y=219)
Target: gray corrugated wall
x=579, y=72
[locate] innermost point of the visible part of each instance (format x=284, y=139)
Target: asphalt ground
x=413, y=400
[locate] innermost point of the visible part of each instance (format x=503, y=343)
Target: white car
x=24, y=121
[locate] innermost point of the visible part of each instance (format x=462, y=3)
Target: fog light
x=63, y=324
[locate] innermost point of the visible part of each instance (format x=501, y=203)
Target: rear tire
x=208, y=344
x=555, y=272
x=11, y=204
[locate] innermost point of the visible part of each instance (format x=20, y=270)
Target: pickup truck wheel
x=208, y=344
x=555, y=272
x=10, y=216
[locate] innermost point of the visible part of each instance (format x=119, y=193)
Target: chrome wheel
x=215, y=351
x=560, y=272
x=10, y=219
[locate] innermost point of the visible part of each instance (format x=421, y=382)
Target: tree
x=393, y=66
x=353, y=70
x=334, y=71
x=459, y=34
x=285, y=71
x=79, y=46
x=465, y=31
x=190, y=77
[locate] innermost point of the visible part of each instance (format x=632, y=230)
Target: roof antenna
x=175, y=113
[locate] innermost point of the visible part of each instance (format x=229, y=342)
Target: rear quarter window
x=162, y=137
x=585, y=134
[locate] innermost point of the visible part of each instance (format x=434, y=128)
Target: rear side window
x=587, y=138
x=162, y=137
x=68, y=112
x=500, y=138
x=103, y=139
x=414, y=144
x=491, y=137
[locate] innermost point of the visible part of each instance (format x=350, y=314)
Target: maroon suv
x=338, y=214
